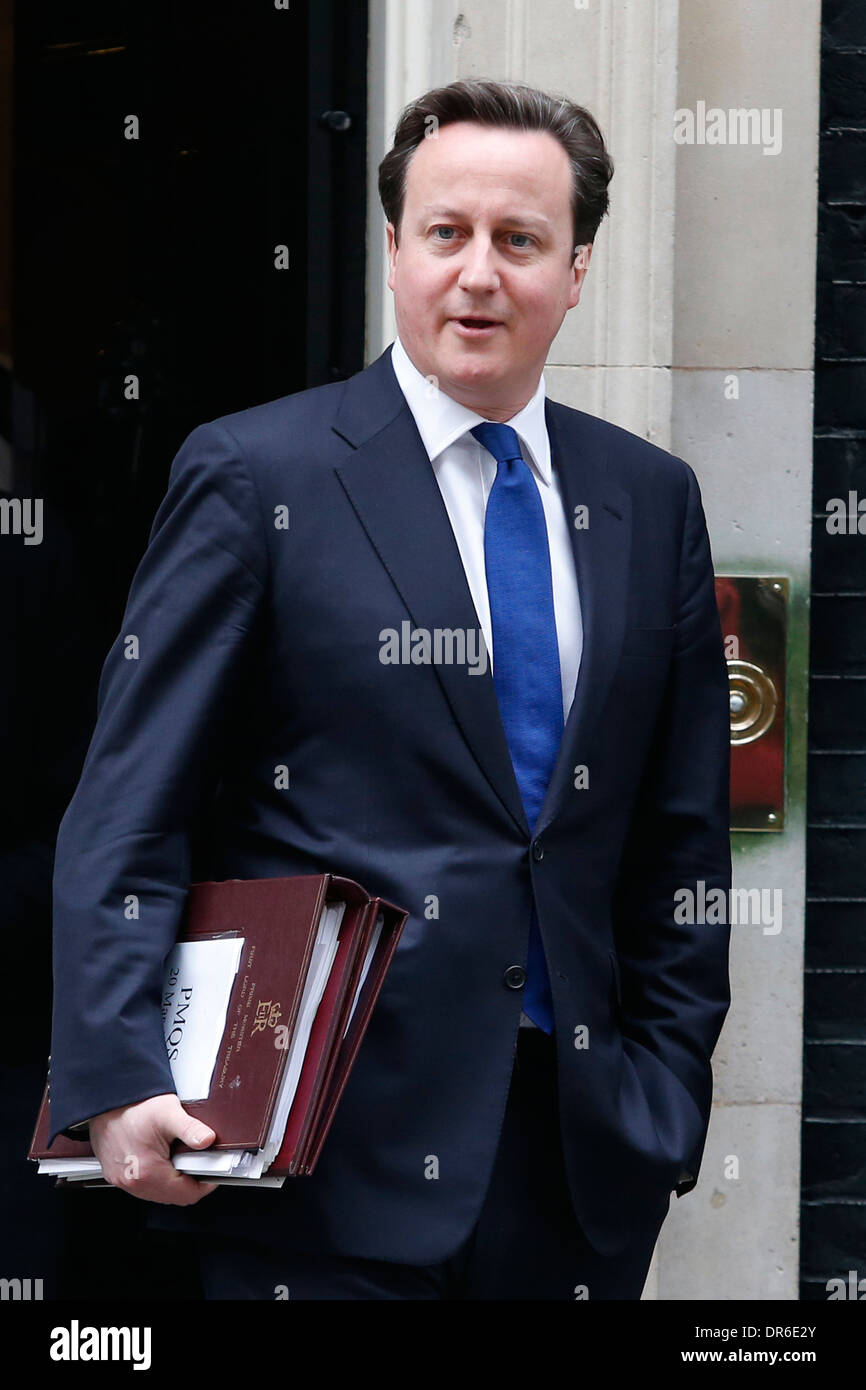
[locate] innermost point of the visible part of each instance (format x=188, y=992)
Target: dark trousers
x=525, y=1245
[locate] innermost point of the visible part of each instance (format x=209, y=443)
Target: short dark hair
x=515, y=105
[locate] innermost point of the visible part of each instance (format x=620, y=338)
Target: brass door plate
x=754, y=615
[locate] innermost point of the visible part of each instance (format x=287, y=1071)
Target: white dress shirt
x=465, y=472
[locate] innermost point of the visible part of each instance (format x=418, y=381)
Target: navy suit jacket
x=248, y=646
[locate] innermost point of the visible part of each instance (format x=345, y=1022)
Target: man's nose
x=478, y=269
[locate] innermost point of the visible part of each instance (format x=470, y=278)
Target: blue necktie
x=526, y=672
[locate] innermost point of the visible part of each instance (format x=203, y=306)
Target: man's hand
x=133, y=1143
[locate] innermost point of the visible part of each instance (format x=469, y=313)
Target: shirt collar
x=441, y=420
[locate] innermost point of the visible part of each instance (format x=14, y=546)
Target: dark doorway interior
x=184, y=234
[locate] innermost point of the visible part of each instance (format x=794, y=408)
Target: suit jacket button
x=537, y=850
x=515, y=977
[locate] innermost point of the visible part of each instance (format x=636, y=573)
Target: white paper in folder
x=197, y=985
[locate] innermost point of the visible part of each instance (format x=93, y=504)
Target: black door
x=187, y=228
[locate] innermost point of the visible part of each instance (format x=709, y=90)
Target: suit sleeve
x=164, y=707
x=675, y=985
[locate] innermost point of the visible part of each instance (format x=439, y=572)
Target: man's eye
x=443, y=233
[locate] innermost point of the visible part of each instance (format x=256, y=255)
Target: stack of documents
x=267, y=994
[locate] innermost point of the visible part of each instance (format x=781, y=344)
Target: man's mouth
x=475, y=323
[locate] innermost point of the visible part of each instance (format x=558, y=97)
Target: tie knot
x=500, y=440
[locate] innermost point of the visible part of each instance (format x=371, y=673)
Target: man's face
x=486, y=233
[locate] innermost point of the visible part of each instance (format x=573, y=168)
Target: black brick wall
x=833, y=1230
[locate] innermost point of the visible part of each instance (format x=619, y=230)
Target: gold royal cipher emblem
x=267, y=1016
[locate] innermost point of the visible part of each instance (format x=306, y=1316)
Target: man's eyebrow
x=528, y=219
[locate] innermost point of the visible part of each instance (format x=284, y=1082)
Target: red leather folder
x=278, y=919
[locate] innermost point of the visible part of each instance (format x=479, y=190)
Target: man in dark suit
x=478, y=629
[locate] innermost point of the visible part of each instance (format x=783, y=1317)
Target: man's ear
x=392, y=249
x=582, y=256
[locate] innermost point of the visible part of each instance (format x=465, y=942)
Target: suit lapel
x=391, y=484
x=601, y=551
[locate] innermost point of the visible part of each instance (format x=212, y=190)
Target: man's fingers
x=134, y=1147
x=174, y=1188
x=176, y=1123
x=154, y=1178
x=194, y=1133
